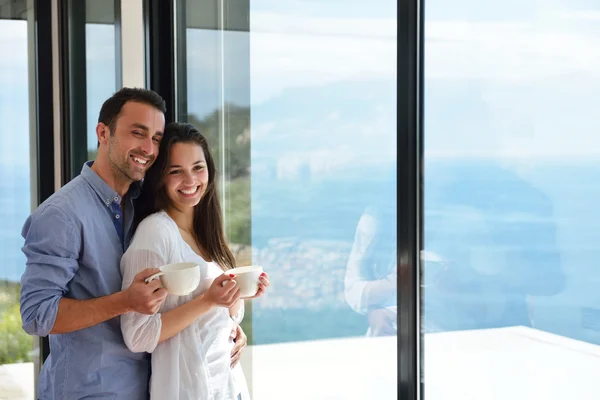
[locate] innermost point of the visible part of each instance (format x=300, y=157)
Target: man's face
x=133, y=145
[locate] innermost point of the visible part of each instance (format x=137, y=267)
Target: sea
x=505, y=244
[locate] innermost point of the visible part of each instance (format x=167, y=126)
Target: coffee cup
x=247, y=279
x=179, y=279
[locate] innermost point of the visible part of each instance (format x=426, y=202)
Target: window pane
x=100, y=63
x=218, y=103
x=511, y=217
x=93, y=72
x=16, y=347
x=298, y=100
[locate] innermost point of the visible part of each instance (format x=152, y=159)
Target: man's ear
x=103, y=133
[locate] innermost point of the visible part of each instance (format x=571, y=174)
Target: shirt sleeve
x=151, y=247
x=51, y=250
x=356, y=285
x=239, y=316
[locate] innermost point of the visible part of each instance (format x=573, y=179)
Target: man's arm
x=74, y=315
x=240, y=339
x=141, y=297
x=52, y=244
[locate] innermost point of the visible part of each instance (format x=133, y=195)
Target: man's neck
x=114, y=179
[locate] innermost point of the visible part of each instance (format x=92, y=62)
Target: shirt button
x=117, y=216
x=107, y=201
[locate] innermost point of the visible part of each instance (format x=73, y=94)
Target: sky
x=533, y=67
x=513, y=81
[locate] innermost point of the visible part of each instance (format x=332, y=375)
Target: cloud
x=346, y=27
x=290, y=51
x=316, y=50
x=538, y=77
x=331, y=8
x=587, y=15
x=535, y=83
x=332, y=161
x=508, y=51
x=531, y=76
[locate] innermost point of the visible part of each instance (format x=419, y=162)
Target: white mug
x=179, y=279
x=247, y=279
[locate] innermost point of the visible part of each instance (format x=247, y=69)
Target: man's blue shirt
x=73, y=245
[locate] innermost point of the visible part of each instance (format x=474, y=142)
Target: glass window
x=218, y=102
x=93, y=73
x=101, y=58
x=298, y=100
x=17, y=352
x=511, y=307
x=214, y=95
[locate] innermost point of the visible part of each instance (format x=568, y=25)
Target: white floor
x=515, y=363
x=16, y=382
x=344, y=369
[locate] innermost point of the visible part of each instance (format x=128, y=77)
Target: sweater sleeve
x=151, y=246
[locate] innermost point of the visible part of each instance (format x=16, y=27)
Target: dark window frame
x=71, y=19
x=45, y=120
x=409, y=194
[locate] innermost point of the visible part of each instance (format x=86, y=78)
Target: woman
x=179, y=219
x=372, y=268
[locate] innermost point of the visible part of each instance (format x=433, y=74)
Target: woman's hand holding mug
x=224, y=291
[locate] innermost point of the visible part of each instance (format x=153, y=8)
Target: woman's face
x=187, y=175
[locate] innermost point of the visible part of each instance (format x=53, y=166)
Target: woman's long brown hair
x=208, y=220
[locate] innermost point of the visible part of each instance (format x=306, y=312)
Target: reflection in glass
x=371, y=273
x=299, y=103
x=509, y=265
x=323, y=161
x=218, y=104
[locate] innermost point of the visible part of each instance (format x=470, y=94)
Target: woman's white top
x=195, y=363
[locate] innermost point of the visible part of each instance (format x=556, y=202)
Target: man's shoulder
x=69, y=198
x=67, y=202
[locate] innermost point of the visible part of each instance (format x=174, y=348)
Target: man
x=73, y=244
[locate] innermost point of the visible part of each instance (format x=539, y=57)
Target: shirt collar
x=105, y=192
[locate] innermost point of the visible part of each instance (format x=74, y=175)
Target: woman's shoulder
x=155, y=227
x=158, y=219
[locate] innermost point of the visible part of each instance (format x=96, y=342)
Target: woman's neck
x=185, y=222
x=183, y=218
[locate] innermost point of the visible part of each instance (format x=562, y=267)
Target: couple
x=84, y=283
